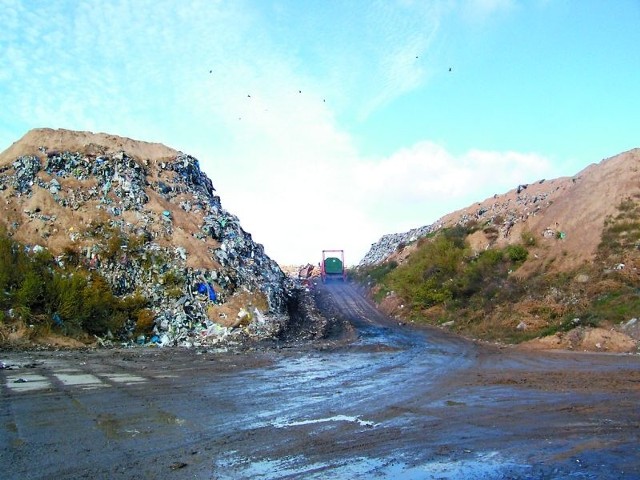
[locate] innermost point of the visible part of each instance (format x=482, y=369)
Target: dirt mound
x=566, y=215
x=38, y=217
x=76, y=141
x=585, y=339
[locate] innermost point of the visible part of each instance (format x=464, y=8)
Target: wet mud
x=364, y=398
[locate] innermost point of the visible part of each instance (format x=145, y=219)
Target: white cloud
x=416, y=186
x=325, y=196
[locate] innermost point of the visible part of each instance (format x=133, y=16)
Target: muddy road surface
x=390, y=401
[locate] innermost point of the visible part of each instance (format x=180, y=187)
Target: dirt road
x=393, y=402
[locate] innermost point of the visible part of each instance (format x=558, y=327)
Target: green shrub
x=627, y=205
x=144, y=322
x=37, y=289
x=622, y=232
x=457, y=235
x=174, y=292
x=71, y=256
x=422, y=281
x=516, y=253
x=113, y=248
x=173, y=278
x=68, y=300
x=380, y=294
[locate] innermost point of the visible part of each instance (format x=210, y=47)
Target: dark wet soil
x=363, y=398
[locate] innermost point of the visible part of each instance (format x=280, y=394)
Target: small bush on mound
x=528, y=238
x=423, y=280
x=374, y=274
x=443, y=272
x=621, y=232
x=144, y=322
x=38, y=291
x=517, y=254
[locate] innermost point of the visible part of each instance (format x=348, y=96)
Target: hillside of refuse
x=145, y=220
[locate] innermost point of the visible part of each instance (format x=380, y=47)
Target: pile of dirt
x=585, y=339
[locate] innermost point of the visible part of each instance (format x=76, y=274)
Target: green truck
x=332, y=266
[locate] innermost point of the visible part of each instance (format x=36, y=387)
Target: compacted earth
x=373, y=399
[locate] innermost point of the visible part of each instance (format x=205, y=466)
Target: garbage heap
x=152, y=227
x=390, y=243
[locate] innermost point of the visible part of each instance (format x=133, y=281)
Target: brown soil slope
x=38, y=219
x=72, y=140
x=574, y=208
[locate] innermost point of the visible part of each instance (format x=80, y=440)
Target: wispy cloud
x=137, y=57
x=404, y=33
x=417, y=185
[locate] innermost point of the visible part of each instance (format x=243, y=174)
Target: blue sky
x=326, y=124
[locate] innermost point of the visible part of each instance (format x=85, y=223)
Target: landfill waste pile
x=389, y=244
x=501, y=213
x=147, y=219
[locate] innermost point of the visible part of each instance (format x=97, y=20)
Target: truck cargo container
x=332, y=267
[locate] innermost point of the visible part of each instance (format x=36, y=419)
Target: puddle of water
x=27, y=382
x=169, y=419
x=110, y=425
x=486, y=466
x=335, y=418
x=130, y=426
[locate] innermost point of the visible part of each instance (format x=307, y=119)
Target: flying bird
x=449, y=68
